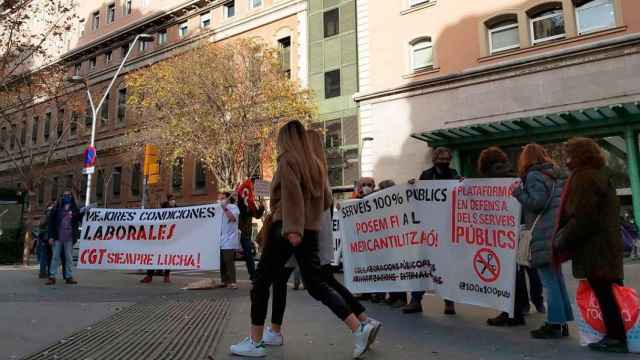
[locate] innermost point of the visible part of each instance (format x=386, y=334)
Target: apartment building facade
x=95, y=48
x=472, y=74
x=333, y=77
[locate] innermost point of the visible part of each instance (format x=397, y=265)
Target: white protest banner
x=337, y=239
x=262, y=188
x=172, y=238
x=455, y=238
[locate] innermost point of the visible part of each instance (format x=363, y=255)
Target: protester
x=441, y=170
x=494, y=163
x=229, y=242
x=589, y=232
x=169, y=203
x=299, y=196
x=249, y=210
x=63, y=231
x=44, y=249
x=539, y=193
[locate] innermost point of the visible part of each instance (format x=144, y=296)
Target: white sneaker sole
x=273, y=344
x=248, y=354
x=368, y=335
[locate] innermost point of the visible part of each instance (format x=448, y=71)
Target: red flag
x=245, y=193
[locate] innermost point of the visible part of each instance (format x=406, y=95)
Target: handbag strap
x=546, y=205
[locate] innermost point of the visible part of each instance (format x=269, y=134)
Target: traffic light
x=151, y=164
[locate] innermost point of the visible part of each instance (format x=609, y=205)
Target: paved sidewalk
x=33, y=316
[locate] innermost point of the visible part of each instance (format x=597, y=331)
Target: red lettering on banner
x=410, y=238
x=496, y=238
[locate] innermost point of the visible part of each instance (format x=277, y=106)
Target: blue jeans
x=58, y=248
x=559, y=309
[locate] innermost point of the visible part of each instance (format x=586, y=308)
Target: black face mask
x=443, y=167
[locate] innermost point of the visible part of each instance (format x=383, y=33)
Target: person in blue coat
x=540, y=194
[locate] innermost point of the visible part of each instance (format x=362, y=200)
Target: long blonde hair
x=294, y=141
x=316, y=140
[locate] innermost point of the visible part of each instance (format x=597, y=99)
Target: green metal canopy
x=590, y=121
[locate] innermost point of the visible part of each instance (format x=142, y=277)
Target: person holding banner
x=229, y=242
x=63, y=232
x=441, y=170
x=494, y=163
x=299, y=196
x=589, y=234
x=170, y=203
x=539, y=193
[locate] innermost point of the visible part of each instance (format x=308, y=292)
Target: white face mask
x=366, y=190
x=222, y=202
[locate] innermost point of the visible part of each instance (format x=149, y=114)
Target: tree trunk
x=28, y=239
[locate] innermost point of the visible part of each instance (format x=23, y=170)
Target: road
x=33, y=316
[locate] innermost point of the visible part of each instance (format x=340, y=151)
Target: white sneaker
x=272, y=338
x=361, y=339
x=248, y=348
x=376, y=328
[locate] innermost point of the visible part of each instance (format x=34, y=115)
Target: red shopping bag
x=587, y=301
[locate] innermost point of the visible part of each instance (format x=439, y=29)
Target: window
x=136, y=179
x=162, y=37
x=331, y=23
x=547, y=25
x=77, y=69
x=104, y=111
x=595, y=15
x=12, y=136
x=99, y=185
x=34, y=130
x=47, y=126
x=200, y=177
x=176, y=175
x=284, y=46
x=54, y=189
x=421, y=54
x=332, y=84
x=88, y=115
x=504, y=36
x=108, y=56
x=124, y=49
x=142, y=46
x=68, y=181
x=255, y=3
x=183, y=30
x=111, y=13
x=126, y=7
x=122, y=105
x=81, y=26
x=414, y=3
x=95, y=23
x=60, y=123
x=116, y=180
x=73, y=127
x=83, y=188
x=3, y=137
x=92, y=64
x=146, y=3
x=229, y=9
x=205, y=20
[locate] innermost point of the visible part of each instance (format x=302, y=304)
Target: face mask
x=66, y=199
x=366, y=190
x=222, y=202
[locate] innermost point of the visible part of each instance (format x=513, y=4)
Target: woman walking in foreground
x=299, y=196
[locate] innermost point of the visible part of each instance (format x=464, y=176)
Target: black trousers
x=603, y=290
x=152, y=272
x=275, y=254
x=521, y=303
x=535, y=285
x=279, y=300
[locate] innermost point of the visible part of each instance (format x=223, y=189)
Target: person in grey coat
x=540, y=195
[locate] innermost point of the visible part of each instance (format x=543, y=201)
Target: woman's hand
x=295, y=239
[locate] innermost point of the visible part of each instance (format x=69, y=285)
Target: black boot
x=548, y=331
x=500, y=320
x=610, y=346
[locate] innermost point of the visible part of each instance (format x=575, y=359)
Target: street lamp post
x=95, y=109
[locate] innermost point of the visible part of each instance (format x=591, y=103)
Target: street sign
x=262, y=188
x=90, y=156
x=89, y=170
